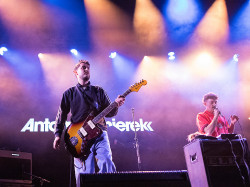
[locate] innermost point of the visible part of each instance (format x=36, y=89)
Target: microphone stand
x=42, y=180
x=136, y=144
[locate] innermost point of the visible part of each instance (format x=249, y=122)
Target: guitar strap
x=93, y=102
x=94, y=106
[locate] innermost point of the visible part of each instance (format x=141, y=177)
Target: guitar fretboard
x=126, y=93
x=108, y=109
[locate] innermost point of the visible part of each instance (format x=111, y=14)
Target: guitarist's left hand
x=120, y=100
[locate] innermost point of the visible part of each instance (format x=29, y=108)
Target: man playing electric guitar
x=81, y=100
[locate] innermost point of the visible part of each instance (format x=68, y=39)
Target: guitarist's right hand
x=56, y=143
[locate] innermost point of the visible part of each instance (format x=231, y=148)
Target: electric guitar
x=79, y=137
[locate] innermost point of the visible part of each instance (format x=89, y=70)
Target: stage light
x=236, y=57
x=181, y=12
x=40, y=55
x=149, y=25
x=112, y=55
x=146, y=58
x=3, y=50
x=171, y=55
x=216, y=18
x=107, y=15
x=74, y=51
x=240, y=23
x=121, y=63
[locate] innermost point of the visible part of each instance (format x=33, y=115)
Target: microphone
x=220, y=113
x=218, y=110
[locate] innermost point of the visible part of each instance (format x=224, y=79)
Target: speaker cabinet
x=136, y=179
x=217, y=163
x=15, y=167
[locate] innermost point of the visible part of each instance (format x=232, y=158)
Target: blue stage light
x=236, y=57
x=3, y=50
x=182, y=12
x=240, y=24
x=112, y=55
x=74, y=51
x=171, y=55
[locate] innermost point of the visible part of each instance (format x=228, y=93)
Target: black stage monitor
x=218, y=163
x=15, y=167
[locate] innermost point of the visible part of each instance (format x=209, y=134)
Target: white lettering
x=46, y=126
x=52, y=126
x=109, y=124
x=37, y=123
x=120, y=125
x=127, y=125
x=149, y=127
x=28, y=126
x=135, y=126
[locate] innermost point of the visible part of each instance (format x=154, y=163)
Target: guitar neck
x=109, y=108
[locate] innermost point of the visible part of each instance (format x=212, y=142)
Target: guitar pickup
x=82, y=132
x=91, y=124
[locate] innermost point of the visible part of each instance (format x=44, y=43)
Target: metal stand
x=136, y=144
x=42, y=180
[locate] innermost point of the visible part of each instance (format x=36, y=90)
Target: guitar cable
x=236, y=163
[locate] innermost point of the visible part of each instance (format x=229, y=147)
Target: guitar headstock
x=136, y=87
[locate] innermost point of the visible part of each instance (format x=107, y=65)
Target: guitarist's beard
x=86, y=79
